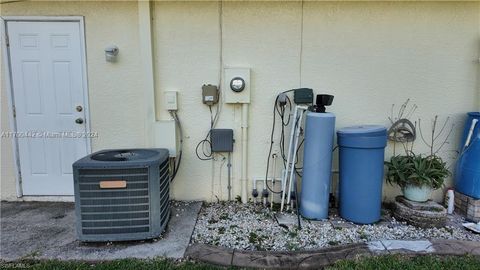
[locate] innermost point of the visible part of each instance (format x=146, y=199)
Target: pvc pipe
x=285, y=175
x=229, y=187
x=243, y=175
x=470, y=133
x=148, y=68
x=295, y=145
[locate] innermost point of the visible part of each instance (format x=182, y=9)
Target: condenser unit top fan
x=124, y=155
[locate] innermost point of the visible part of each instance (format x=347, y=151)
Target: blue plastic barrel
x=317, y=165
x=361, y=158
x=467, y=171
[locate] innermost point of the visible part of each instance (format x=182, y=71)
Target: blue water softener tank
x=361, y=157
x=467, y=172
x=317, y=160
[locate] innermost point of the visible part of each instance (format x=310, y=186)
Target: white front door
x=48, y=84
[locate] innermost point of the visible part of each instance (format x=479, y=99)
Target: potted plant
x=419, y=174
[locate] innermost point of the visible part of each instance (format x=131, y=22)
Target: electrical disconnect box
x=303, y=96
x=237, y=85
x=171, y=100
x=222, y=140
x=209, y=94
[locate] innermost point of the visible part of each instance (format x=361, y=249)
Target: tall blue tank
x=317, y=165
x=467, y=171
x=361, y=159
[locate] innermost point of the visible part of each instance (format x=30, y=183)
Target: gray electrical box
x=303, y=96
x=222, y=140
x=209, y=94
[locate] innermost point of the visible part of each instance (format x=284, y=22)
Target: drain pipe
x=148, y=68
x=243, y=175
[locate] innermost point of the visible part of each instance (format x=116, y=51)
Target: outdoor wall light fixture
x=111, y=53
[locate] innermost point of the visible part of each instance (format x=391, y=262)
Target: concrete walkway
x=41, y=230
x=316, y=259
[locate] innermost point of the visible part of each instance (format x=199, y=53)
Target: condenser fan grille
x=124, y=155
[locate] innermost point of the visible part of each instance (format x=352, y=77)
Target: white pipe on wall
x=145, y=40
x=243, y=175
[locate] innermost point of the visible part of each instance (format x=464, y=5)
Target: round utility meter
x=237, y=84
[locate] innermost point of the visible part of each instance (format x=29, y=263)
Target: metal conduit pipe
x=243, y=175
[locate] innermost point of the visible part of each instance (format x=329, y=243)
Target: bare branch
x=421, y=133
x=412, y=110
x=443, y=128
x=445, y=141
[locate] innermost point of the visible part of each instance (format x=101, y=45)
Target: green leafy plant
x=417, y=170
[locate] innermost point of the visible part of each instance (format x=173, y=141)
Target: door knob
x=79, y=121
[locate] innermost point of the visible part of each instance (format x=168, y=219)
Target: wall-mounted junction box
x=303, y=96
x=171, y=100
x=209, y=94
x=222, y=140
x=165, y=136
x=237, y=85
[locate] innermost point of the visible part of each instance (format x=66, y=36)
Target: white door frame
x=9, y=88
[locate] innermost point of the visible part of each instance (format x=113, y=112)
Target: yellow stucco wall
x=369, y=55
x=115, y=95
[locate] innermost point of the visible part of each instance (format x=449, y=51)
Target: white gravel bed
x=253, y=227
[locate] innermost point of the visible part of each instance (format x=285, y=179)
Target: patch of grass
x=402, y=262
x=293, y=233
x=391, y=262
x=221, y=230
x=276, y=207
x=238, y=199
x=292, y=246
x=224, y=216
x=333, y=243
x=253, y=238
x=127, y=264
x=363, y=235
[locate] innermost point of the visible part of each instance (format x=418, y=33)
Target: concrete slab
x=414, y=245
x=287, y=220
x=46, y=230
x=376, y=246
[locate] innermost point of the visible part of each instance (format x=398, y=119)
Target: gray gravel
x=253, y=227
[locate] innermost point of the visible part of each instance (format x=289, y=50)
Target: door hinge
x=7, y=40
x=14, y=112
